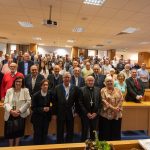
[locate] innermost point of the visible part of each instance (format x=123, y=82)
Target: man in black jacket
x=24, y=66
x=135, y=89
x=55, y=78
x=66, y=103
x=33, y=80
x=90, y=105
x=99, y=78
x=76, y=78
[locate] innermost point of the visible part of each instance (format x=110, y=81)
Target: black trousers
x=40, y=128
x=109, y=130
x=88, y=126
x=61, y=124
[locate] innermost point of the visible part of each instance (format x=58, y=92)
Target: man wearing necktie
x=55, y=78
x=76, y=79
x=66, y=95
x=90, y=105
x=135, y=89
x=99, y=78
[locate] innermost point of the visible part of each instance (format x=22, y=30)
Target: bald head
x=26, y=57
x=13, y=67
x=56, y=69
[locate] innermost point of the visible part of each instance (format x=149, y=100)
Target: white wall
x=3, y=47
x=101, y=53
x=61, y=51
x=133, y=56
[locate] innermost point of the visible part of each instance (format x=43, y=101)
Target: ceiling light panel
x=25, y=24
x=78, y=29
x=130, y=30
x=94, y=2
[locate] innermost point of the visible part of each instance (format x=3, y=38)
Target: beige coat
x=22, y=104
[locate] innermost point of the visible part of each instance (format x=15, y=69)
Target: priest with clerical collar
x=90, y=104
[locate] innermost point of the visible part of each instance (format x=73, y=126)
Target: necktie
x=136, y=84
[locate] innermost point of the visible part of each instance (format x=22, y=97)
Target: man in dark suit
x=76, y=79
x=135, y=89
x=55, y=78
x=33, y=80
x=64, y=106
x=90, y=105
x=24, y=66
x=99, y=78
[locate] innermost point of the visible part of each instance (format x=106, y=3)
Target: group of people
x=60, y=89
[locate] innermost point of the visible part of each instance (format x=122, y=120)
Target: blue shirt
x=25, y=68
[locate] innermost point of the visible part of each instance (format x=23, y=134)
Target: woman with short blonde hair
x=111, y=112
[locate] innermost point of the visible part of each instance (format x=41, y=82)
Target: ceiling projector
x=49, y=22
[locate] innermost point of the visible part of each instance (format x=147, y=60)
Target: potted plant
x=98, y=145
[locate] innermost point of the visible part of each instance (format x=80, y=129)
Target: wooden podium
x=118, y=145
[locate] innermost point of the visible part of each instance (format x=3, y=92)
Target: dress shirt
x=143, y=72
x=25, y=68
x=67, y=91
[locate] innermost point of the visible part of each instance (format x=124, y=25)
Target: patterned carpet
x=51, y=139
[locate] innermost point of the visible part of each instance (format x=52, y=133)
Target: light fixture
x=144, y=43
x=130, y=30
x=68, y=46
x=70, y=41
x=25, y=24
x=78, y=29
x=94, y=2
x=37, y=38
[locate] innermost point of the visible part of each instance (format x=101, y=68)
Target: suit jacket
x=132, y=90
x=28, y=83
x=84, y=101
x=81, y=82
x=38, y=104
x=23, y=104
x=65, y=108
x=100, y=82
x=21, y=66
x=51, y=79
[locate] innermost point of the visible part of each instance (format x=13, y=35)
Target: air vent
x=122, y=33
x=98, y=45
x=3, y=38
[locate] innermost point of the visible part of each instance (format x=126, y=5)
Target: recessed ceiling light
x=94, y=2
x=41, y=44
x=37, y=38
x=70, y=41
x=78, y=29
x=68, y=46
x=143, y=43
x=130, y=30
x=25, y=24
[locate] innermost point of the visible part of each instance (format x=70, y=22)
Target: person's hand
x=46, y=109
x=75, y=115
x=89, y=115
x=2, y=99
x=94, y=115
x=54, y=117
x=117, y=109
x=15, y=113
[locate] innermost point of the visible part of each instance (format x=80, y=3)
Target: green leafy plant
x=97, y=145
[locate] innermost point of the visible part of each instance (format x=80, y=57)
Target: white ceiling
x=101, y=23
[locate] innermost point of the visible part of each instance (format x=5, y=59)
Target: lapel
x=30, y=82
x=63, y=91
x=36, y=81
x=70, y=91
x=53, y=78
x=79, y=81
x=94, y=95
